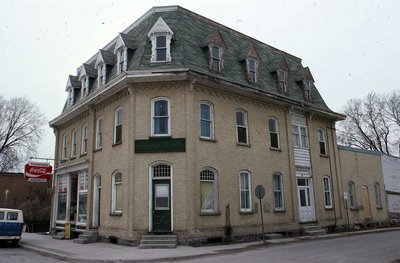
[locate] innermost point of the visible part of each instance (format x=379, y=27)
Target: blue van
x=11, y=225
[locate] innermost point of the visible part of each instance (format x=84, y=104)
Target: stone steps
x=159, y=241
x=90, y=236
x=313, y=230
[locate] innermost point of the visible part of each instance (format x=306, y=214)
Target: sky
x=351, y=47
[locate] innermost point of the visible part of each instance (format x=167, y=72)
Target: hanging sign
x=38, y=172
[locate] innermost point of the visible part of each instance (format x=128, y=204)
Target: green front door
x=161, y=206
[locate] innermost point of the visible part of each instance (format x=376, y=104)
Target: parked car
x=11, y=225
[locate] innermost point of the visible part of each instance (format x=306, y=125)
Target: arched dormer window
x=282, y=76
x=124, y=46
x=308, y=83
x=252, y=62
x=72, y=88
x=160, y=36
x=216, y=49
x=105, y=60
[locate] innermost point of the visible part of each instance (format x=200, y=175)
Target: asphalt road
x=374, y=248
x=10, y=254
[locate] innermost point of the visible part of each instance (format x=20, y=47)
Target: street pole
x=262, y=222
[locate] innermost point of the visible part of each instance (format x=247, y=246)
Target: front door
x=161, y=206
x=306, y=200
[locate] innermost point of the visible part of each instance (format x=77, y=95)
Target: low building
x=391, y=176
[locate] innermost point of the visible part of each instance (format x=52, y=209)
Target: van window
x=1, y=215
x=12, y=216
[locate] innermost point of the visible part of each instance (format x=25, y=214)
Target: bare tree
x=367, y=125
x=21, y=125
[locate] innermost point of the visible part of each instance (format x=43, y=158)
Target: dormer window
x=252, y=69
x=70, y=97
x=121, y=60
x=215, y=58
x=307, y=89
x=101, y=75
x=282, y=81
x=84, y=87
x=160, y=35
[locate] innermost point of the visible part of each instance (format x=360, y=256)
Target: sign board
x=38, y=172
x=260, y=191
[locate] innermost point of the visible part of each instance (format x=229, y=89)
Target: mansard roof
x=73, y=81
x=106, y=57
x=191, y=32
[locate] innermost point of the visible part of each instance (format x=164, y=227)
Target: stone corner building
x=172, y=125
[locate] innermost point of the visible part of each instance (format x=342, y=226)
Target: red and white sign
x=38, y=172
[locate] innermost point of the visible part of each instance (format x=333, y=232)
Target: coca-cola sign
x=38, y=172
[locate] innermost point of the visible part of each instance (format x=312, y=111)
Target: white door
x=306, y=200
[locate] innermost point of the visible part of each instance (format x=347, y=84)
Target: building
x=391, y=176
x=171, y=125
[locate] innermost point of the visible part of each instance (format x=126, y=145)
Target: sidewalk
x=107, y=252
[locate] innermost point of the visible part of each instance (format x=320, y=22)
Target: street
x=10, y=254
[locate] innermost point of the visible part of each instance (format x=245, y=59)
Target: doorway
x=306, y=200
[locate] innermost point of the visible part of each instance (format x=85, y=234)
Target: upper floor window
x=327, y=192
x=273, y=133
x=121, y=60
x=378, y=198
x=101, y=75
x=84, y=139
x=282, y=80
x=278, y=192
x=241, y=127
x=99, y=133
x=160, y=117
x=307, y=89
x=64, y=148
x=118, y=126
x=160, y=35
x=245, y=191
x=209, y=190
x=206, y=120
x=73, y=143
x=215, y=58
x=299, y=136
x=322, y=142
x=71, y=95
x=116, y=202
x=252, y=69
x=84, y=86
x=352, y=195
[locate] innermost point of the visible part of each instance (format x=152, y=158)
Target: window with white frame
x=282, y=80
x=327, y=192
x=278, y=192
x=378, y=198
x=82, y=197
x=352, y=195
x=117, y=193
x=206, y=120
x=273, y=133
x=121, y=56
x=299, y=136
x=322, y=142
x=84, y=86
x=252, y=69
x=160, y=117
x=245, y=191
x=84, y=139
x=118, y=125
x=99, y=133
x=64, y=148
x=101, y=75
x=161, y=48
x=215, y=58
x=160, y=35
x=241, y=127
x=209, y=190
x=73, y=143
x=70, y=100
x=62, y=195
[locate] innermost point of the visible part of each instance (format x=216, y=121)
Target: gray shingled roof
x=108, y=57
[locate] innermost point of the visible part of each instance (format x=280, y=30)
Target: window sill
x=216, y=213
x=354, y=209
x=72, y=158
x=160, y=137
x=207, y=139
x=215, y=71
x=280, y=211
x=117, y=143
x=247, y=212
x=329, y=208
x=275, y=149
x=115, y=214
x=324, y=155
x=379, y=207
x=161, y=62
x=98, y=150
x=63, y=161
x=243, y=144
x=83, y=155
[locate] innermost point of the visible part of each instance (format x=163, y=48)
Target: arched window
x=241, y=127
x=99, y=133
x=209, y=190
x=64, y=148
x=322, y=142
x=278, y=192
x=245, y=191
x=273, y=133
x=206, y=120
x=118, y=125
x=84, y=138
x=327, y=192
x=352, y=195
x=160, y=117
x=73, y=143
x=116, y=193
x=378, y=199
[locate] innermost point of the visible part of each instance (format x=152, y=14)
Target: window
x=2, y=215
x=278, y=192
x=84, y=139
x=102, y=75
x=307, y=89
x=160, y=35
x=82, y=197
x=85, y=86
x=378, y=198
x=245, y=191
x=327, y=192
x=206, y=121
x=273, y=133
x=99, y=133
x=282, y=80
x=160, y=117
x=70, y=101
x=299, y=136
x=241, y=127
x=121, y=60
x=64, y=148
x=322, y=142
x=209, y=190
x=352, y=195
x=252, y=69
x=161, y=48
x=12, y=216
x=215, y=54
x=117, y=193
x=118, y=126
x=62, y=194
x=73, y=143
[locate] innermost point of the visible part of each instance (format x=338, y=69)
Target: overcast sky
x=351, y=47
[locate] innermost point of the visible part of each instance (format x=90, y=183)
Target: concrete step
x=313, y=230
x=156, y=242
x=86, y=237
x=152, y=246
x=159, y=241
